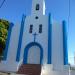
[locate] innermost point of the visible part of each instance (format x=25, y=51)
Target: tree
x=4, y=26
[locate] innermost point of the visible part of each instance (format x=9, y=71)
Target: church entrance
x=33, y=54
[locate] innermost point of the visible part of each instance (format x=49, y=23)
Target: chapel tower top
x=38, y=7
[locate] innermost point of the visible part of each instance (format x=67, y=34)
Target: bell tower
x=38, y=7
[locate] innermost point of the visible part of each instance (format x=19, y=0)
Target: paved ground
x=10, y=74
x=4, y=73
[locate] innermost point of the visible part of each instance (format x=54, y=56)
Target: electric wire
x=2, y=3
x=69, y=13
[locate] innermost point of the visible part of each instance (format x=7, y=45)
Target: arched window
x=37, y=6
x=40, y=28
x=31, y=28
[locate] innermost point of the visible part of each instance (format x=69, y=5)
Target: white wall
x=12, y=50
x=57, y=46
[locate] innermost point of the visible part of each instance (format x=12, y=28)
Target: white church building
x=37, y=40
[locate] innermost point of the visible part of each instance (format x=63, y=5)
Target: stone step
x=30, y=69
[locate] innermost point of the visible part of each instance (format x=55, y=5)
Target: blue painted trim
x=20, y=38
x=8, y=41
x=65, y=50
x=27, y=49
x=49, y=39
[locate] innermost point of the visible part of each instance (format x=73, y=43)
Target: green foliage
x=3, y=33
x=4, y=25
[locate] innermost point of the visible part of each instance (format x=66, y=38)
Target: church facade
x=37, y=40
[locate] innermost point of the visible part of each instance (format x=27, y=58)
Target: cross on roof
x=35, y=36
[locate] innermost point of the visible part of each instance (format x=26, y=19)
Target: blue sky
x=12, y=11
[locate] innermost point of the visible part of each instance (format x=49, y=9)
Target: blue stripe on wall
x=20, y=38
x=65, y=52
x=49, y=39
x=8, y=41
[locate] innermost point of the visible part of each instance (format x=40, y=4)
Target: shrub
x=4, y=25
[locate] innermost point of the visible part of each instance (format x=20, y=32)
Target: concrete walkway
x=4, y=73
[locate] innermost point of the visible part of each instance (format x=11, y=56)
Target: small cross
x=35, y=36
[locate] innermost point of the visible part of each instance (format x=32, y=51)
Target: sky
x=12, y=11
